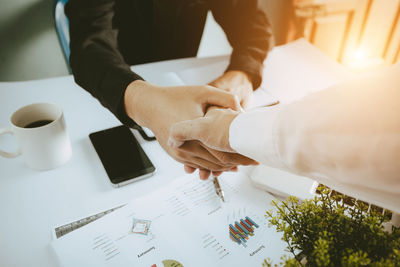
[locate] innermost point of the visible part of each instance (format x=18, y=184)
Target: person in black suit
x=107, y=36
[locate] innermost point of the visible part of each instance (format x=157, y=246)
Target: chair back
x=62, y=28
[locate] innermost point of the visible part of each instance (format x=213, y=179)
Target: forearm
x=140, y=102
x=106, y=82
x=248, y=32
x=95, y=60
x=349, y=133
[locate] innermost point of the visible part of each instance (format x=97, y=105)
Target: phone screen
x=121, y=154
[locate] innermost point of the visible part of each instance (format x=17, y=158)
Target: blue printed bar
x=233, y=227
x=242, y=236
x=248, y=225
x=241, y=227
x=256, y=225
x=241, y=231
x=234, y=238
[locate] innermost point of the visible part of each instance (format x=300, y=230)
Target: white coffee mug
x=42, y=136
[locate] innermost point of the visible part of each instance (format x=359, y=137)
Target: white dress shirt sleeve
x=349, y=134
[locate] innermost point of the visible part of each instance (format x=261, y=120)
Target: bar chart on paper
x=240, y=231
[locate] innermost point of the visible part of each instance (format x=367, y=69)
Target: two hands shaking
x=192, y=123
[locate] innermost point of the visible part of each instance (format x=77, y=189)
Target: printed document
x=183, y=224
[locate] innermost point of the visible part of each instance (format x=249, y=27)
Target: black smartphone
x=121, y=155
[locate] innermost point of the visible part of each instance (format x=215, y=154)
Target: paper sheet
x=165, y=79
x=204, y=75
x=297, y=69
x=189, y=226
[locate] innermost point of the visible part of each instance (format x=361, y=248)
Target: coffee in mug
x=41, y=134
x=38, y=123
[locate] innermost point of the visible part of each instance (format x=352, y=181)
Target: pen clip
x=218, y=189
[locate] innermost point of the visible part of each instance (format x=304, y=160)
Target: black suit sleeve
x=95, y=60
x=249, y=33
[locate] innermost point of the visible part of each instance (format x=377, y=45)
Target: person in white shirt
x=347, y=136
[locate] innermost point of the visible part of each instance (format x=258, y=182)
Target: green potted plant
x=327, y=231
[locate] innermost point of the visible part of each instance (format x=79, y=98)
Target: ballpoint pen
x=218, y=188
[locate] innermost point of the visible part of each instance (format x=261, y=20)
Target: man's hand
x=237, y=83
x=211, y=130
x=157, y=108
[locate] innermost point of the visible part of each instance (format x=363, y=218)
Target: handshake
x=192, y=123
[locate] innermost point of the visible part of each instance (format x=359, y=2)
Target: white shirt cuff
x=254, y=134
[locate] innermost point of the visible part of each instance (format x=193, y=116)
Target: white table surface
x=33, y=202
